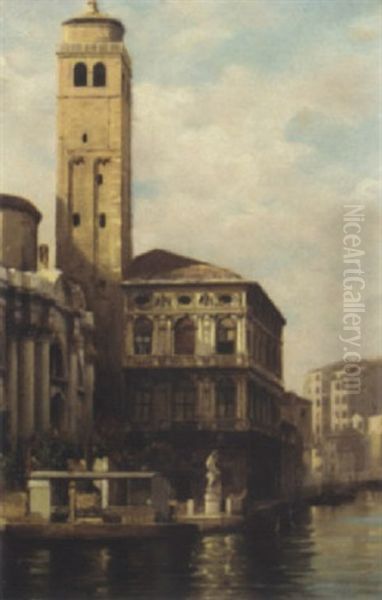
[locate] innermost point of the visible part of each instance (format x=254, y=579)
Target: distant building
x=46, y=348
x=374, y=446
x=343, y=457
x=297, y=411
x=345, y=420
x=334, y=404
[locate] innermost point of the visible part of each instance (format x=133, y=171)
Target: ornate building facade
x=203, y=363
x=46, y=341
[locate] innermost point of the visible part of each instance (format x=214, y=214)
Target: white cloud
x=366, y=29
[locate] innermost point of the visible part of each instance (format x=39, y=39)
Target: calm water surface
x=329, y=553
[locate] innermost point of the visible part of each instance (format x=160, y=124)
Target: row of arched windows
x=80, y=75
x=183, y=401
x=185, y=336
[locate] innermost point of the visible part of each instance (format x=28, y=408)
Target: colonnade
x=29, y=386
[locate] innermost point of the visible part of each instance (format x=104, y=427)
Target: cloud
x=367, y=29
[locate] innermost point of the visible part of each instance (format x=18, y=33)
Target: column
x=241, y=396
x=241, y=337
x=213, y=335
x=200, y=409
x=89, y=390
x=199, y=345
x=42, y=384
x=12, y=387
x=129, y=337
x=72, y=403
x=161, y=328
x=169, y=337
x=26, y=386
x=155, y=338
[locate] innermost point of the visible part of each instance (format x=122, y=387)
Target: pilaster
x=241, y=398
x=26, y=400
x=42, y=384
x=12, y=385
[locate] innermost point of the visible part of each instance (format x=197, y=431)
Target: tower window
x=102, y=220
x=99, y=75
x=80, y=75
x=85, y=138
x=99, y=179
x=76, y=219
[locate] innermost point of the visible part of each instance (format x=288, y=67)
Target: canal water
x=329, y=552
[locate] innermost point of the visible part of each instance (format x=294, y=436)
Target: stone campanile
x=93, y=222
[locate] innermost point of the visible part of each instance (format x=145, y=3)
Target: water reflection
x=326, y=553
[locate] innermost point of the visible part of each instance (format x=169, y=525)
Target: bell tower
x=93, y=217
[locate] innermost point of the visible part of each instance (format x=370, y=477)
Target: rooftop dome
x=161, y=264
x=11, y=202
x=93, y=26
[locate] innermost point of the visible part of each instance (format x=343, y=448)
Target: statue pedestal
x=212, y=503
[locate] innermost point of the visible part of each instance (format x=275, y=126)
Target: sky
x=255, y=123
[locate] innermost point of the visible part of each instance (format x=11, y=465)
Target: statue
x=213, y=472
x=213, y=495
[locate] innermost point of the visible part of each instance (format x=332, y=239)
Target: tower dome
x=92, y=26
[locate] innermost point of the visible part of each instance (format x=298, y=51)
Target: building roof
x=161, y=264
x=20, y=204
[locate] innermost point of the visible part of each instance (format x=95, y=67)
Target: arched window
x=225, y=399
x=80, y=75
x=184, y=401
x=226, y=336
x=99, y=75
x=184, y=336
x=143, y=333
x=57, y=366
